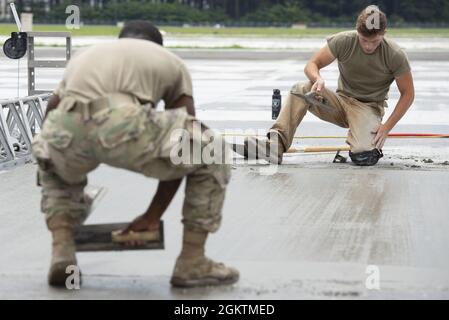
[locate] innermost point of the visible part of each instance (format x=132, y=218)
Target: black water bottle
x=276, y=103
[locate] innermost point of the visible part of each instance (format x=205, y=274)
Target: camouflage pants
x=116, y=131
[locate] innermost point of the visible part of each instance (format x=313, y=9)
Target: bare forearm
x=52, y=104
x=189, y=107
x=184, y=101
x=312, y=72
x=164, y=195
x=191, y=110
x=403, y=105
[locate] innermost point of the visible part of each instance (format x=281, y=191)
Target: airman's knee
x=302, y=87
x=60, y=198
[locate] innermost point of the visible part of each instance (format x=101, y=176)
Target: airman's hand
x=140, y=224
x=318, y=86
x=381, y=136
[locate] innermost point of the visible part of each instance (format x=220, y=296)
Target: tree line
x=228, y=11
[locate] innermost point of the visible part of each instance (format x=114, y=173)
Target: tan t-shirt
x=367, y=77
x=139, y=67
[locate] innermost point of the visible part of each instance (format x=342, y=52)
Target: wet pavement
x=307, y=229
x=240, y=89
x=298, y=233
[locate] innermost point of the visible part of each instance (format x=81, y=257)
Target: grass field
x=6, y=29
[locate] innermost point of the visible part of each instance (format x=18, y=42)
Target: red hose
x=430, y=135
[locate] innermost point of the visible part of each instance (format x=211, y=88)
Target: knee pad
x=366, y=158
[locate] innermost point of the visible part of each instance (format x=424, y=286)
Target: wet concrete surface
x=307, y=229
x=296, y=233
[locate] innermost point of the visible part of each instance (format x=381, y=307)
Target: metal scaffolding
x=20, y=120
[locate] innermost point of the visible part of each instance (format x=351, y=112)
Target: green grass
x=289, y=32
x=6, y=29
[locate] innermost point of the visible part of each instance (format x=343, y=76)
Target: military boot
x=63, y=248
x=201, y=272
x=194, y=269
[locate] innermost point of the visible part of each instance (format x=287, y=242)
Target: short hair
x=141, y=29
x=369, y=25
